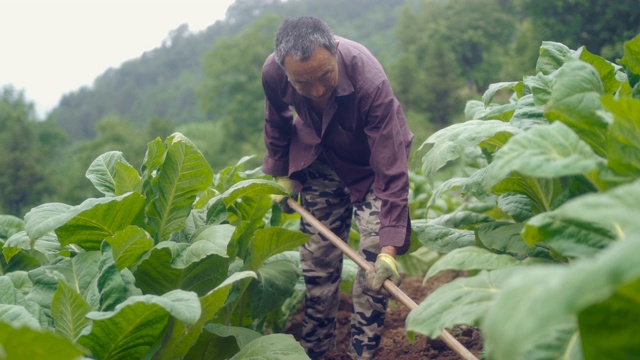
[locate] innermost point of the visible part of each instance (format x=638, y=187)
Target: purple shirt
x=364, y=135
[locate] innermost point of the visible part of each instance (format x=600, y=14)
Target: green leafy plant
x=548, y=228
x=172, y=262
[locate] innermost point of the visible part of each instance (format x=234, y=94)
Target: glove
x=384, y=268
x=281, y=200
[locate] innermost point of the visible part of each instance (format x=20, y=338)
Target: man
x=345, y=152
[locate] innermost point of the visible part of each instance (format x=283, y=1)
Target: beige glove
x=281, y=200
x=384, y=268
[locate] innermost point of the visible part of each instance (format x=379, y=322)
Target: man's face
x=316, y=77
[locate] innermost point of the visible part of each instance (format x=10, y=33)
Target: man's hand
x=385, y=268
x=281, y=200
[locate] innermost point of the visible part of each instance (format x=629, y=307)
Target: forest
x=438, y=54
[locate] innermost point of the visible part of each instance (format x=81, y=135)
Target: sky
x=49, y=48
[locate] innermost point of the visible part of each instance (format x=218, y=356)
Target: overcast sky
x=50, y=48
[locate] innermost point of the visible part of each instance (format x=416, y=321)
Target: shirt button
x=302, y=163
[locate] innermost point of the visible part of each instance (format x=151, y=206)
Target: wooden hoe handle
x=388, y=285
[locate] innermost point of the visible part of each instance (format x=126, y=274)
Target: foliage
x=600, y=26
x=27, y=146
x=549, y=224
x=157, y=267
x=231, y=91
x=445, y=46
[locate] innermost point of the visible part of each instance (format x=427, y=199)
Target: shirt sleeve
x=277, y=126
x=390, y=143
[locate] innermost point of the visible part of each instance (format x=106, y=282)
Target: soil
x=395, y=344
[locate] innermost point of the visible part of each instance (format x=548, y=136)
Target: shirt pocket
x=351, y=146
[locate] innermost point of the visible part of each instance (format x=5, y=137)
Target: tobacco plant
x=548, y=231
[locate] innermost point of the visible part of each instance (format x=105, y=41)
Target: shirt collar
x=344, y=87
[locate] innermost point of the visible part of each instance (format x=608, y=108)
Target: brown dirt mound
x=395, y=344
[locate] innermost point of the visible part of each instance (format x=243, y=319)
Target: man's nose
x=317, y=91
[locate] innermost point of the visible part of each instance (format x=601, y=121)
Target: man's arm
x=278, y=123
x=390, y=142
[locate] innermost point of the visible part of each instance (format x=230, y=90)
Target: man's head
x=306, y=49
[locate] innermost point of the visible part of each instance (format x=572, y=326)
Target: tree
x=231, y=91
x=23, y=180
x=113, y=134
x=601, y=26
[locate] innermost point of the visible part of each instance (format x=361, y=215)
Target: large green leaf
x=575, y=100
x=276, y=281
x=272, y=347
x=505, y=237
x=623, y=151
x=462, y=219
x=134, y=326
x=606, y=329
x=181, y=337
x=208, y=240
x=68, y=310
x=440, y=238
x=542, y=192
x=10, y=225
x=127, y=179
x=47, y=244
x=451, y=142
x=21, y=282
x=502, y=112
x=549, y=151
x=607, y=70
x=158, y=273
x=536, y=313
x=272, y=241
x=462, y=301
x=221, y=341
x=250, y=187
x=552, y=57
x=471, y=258
x=128, y=245
x=616, y=211
x=94, y=222
x=527, y=114
x=516, y=205
x=471, y=108
x=91, y=274
x=80, y=271
x=45, y=218
x=26, y=343
x=24, y=312
x=516, y=86
x=18, y=316
x=631, y=61
x=183, y=173
x=103, y=172
x=152, y=160
x=567, y=235
x=540, y=85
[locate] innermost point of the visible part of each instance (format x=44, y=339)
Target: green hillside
x=162, y=83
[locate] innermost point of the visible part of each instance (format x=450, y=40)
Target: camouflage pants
x=324, y=195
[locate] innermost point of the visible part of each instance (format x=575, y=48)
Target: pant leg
x=369, y=309
x=325, y=197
